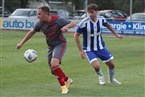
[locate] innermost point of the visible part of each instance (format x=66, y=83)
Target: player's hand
x=64, y=29
x=119, y=36
x=82, y=54
x=19, y=46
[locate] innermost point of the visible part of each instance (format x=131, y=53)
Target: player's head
x=92, y=10
x=92, y=6
x=43, y=12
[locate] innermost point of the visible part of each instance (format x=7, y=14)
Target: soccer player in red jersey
x=53, y=28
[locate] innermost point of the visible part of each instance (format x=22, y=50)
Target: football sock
x=61, y=81
x=60, y=75
x=99, y=72
x=111, y=73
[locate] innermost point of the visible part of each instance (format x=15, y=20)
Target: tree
x=77, y=4
x=23, y=3
x=12, y=4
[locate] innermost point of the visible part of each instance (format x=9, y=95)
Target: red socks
x=60, y=75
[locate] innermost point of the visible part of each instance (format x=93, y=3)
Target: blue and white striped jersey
x=92, y=38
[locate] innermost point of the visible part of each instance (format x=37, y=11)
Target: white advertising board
x=20, y=23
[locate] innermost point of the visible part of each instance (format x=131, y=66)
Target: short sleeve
x=104, y=22
x=81, y=26
x=62, y=21
x=37, y=27
x=79, y=30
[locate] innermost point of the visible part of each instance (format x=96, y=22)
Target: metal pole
x=3, y=7
x=43, y=2
x=86, y=3
x=130, y=10
x=143, y=3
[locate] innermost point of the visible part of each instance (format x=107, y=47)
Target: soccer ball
x=30, y=55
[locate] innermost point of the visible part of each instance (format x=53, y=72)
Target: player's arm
x=77, y=40
x=113, y=31
x=70, y=25
x=27, y=37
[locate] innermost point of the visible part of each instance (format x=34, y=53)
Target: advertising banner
x=20, y=23
x=127, y=27
x=28, y=23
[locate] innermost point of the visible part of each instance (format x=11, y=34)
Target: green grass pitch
x=19, y=78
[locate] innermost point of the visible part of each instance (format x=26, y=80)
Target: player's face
x=42, y=15
x=92, y=14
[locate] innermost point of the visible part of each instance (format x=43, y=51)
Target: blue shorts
x=103, y=54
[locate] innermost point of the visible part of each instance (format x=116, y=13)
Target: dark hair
x=92, y=6
x=45, y=9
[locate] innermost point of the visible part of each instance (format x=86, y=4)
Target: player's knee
x=110, y=65
x=54, y=62
x=96, y=65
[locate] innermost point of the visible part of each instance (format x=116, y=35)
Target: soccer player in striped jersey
x=53, y=28
x=93, y=43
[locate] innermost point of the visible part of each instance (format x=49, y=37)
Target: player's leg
x=98, y=70
x=107, y=58
x=58, y=52
x=111, y=72
x=92, y=58
x=57, y=55
x=49, y=60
